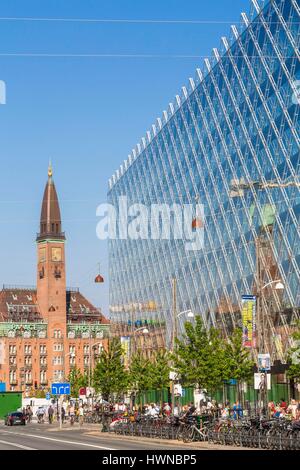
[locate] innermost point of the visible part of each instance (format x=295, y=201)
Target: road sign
x=48, y=396
x=82, y=391
x=61, y=389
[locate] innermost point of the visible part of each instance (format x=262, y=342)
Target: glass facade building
x=230, y=141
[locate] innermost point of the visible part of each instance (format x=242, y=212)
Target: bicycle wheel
x=187, y=435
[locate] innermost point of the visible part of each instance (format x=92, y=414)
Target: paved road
x=45, y=437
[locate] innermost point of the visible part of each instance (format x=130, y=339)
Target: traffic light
x=35, y=385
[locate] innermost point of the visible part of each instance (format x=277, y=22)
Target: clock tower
x=51, y=272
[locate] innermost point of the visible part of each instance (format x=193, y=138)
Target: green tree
x=77, y=380
x=200, y=356
x=110, y=376
x=140, y=373
x=40, y=394
x=239, y=365
x=294, y=357
x=160, y=371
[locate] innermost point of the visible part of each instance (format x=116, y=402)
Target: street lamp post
x=237, y=189
x=91, y=347
x=176, y=315
x=144, y=330
x=262, y=344
x=71, y=354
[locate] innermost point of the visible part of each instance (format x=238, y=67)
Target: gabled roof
x=20, y=304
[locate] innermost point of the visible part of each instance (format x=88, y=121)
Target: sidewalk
x=93, y=430
x=169, y=442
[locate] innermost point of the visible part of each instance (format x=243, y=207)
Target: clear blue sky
x=86, y=114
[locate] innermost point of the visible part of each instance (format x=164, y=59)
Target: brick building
x=48, y=329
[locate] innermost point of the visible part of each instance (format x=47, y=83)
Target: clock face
x=42, y=255
x=56, y=254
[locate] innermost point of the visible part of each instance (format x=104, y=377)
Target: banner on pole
x=125, y=344
x=264, y=362
x=260, y=379
x=249, y=320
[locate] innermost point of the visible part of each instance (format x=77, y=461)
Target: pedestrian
x=63, y=414
x=167, y=409
x=292, y=408
x=271, y=408
x=50, y=414
x=283, y=404
x=298, y=412
x=72, y=413
x=237, y=410
x=225, y=412
x=81, y=414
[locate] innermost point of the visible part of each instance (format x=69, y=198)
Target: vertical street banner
x=125, y=344
x=249, y=320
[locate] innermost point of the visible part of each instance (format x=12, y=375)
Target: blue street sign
x=61, y=389
x=2, y=387
x=48, y=396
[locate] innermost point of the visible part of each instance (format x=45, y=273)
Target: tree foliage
x=110, y=376
x=77, y=380
x=238, y=360
x=140, y=373
x=294, y=357
x=239, y=365
x=200, y=356
x=160, y=370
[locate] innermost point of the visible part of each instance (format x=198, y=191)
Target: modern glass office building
x=229, y=142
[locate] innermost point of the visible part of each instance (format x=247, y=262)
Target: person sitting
x=278, y=411
x=293, y=408
x=237, y=410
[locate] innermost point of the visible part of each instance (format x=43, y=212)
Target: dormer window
x=15, y=297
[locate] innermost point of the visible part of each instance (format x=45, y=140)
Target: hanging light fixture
x=99, y=279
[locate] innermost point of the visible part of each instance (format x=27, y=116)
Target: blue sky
x=86, y=114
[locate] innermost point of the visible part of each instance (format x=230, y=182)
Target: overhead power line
x=127, y=56
x=123, y=20
x=115, y=20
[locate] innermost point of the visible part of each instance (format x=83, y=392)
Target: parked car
x=14, y=418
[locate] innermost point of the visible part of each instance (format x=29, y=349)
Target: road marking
x=17, y=445
x=84, y=444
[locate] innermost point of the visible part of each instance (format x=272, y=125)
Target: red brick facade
x=47, y=330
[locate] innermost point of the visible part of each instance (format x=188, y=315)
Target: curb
x=145, y=440
x=170, y=442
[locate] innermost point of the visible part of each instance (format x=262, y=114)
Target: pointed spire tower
x=51, y=273
x=50, y=224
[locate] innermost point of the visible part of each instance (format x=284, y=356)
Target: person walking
x=81, y=414
x=40, y=414
x=50, y=414
x=72, y=413
x=63, y=414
